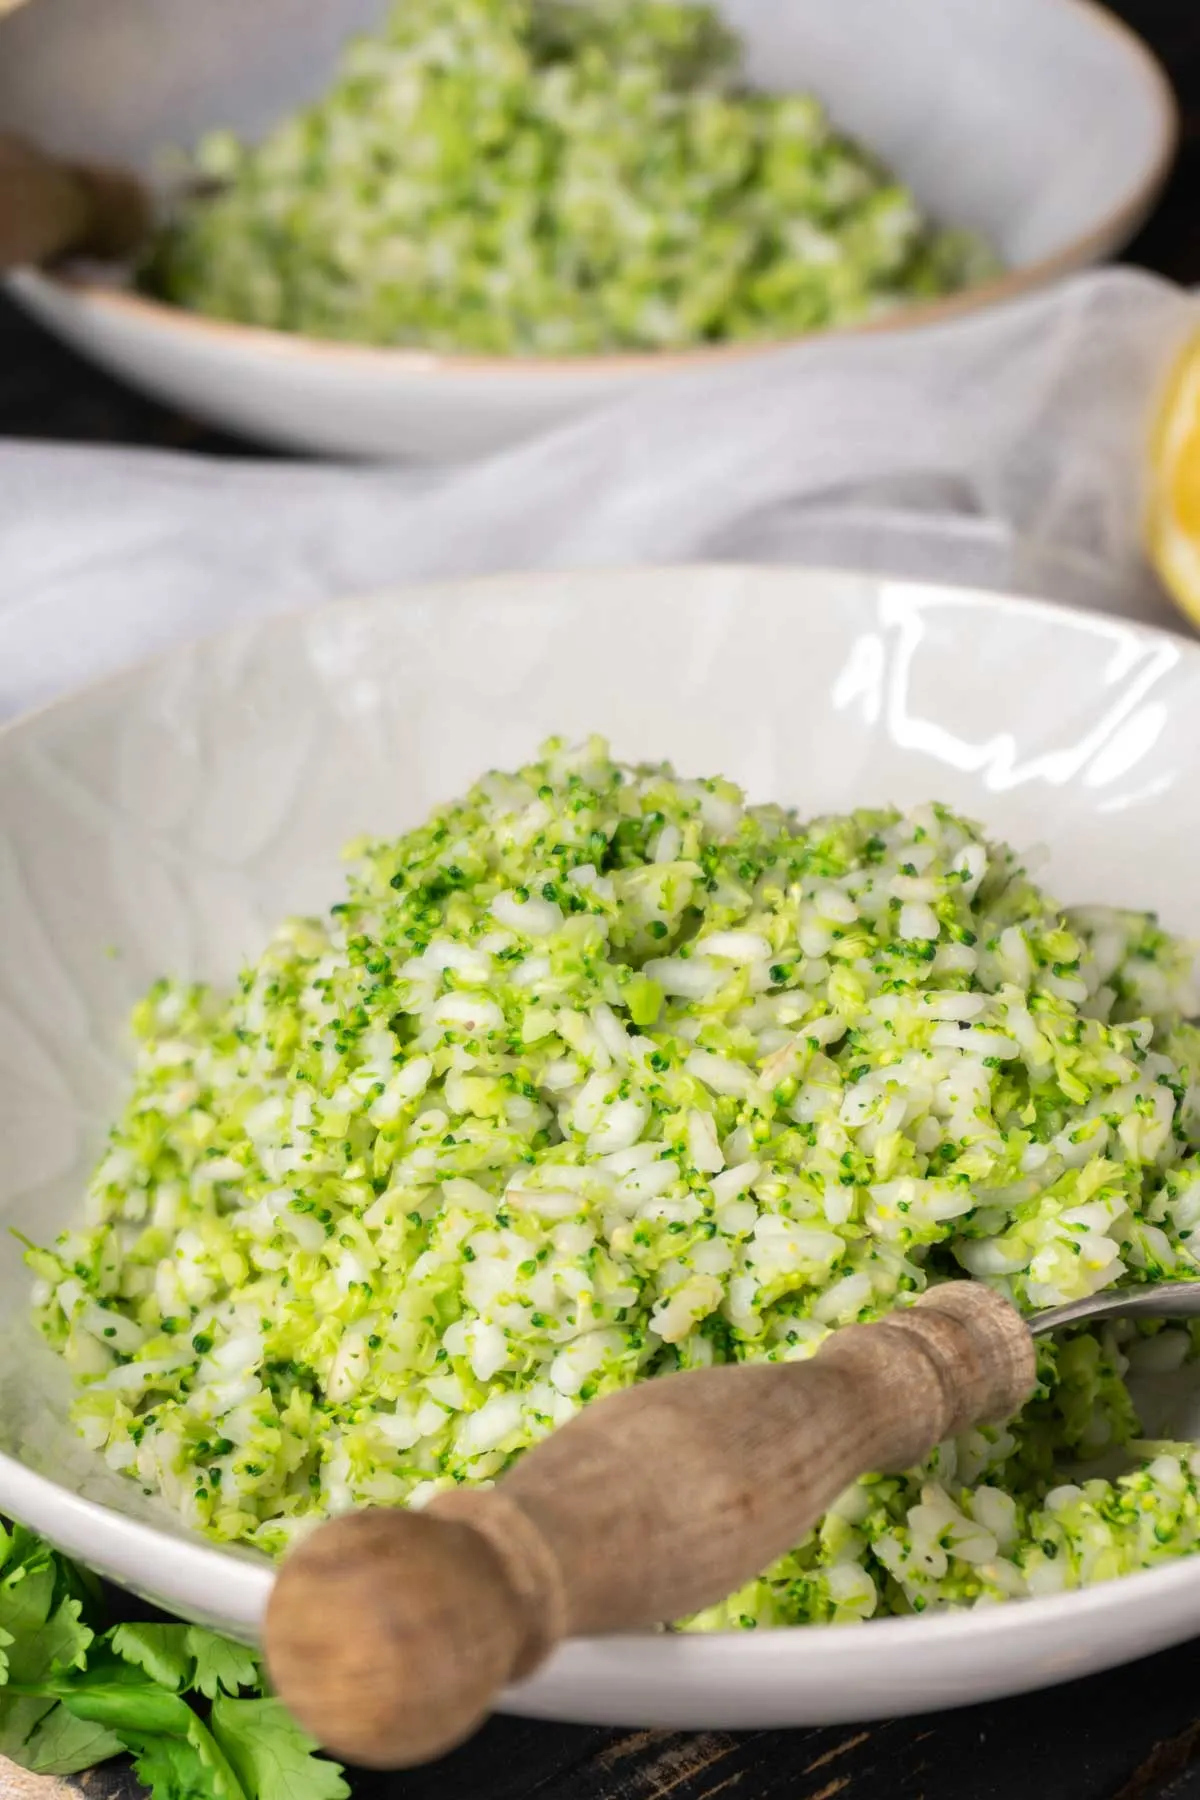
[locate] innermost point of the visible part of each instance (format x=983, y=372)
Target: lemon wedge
x=1173, y=512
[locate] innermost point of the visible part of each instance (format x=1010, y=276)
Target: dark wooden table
x=1132, y=1735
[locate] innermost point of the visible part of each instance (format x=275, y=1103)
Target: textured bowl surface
x=982, y=108
x=164, y=820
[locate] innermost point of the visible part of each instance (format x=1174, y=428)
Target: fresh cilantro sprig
x=187, y=1705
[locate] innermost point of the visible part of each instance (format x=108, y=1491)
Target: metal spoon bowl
x=1158, y=1300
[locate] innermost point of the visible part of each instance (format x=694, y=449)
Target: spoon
x=389, y=1634
x=50, y=209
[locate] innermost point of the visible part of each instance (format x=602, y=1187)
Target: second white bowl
x=1043, y=124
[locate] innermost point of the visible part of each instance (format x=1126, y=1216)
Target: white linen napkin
x=1006, y=449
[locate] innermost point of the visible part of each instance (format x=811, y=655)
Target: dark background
x=1131, y=1735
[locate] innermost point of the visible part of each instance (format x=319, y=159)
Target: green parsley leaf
x=173, y=1751
x=43, y=1635
x=160, y=1651
x=271, y=1754
x=221, y=1665
x=61, y=1744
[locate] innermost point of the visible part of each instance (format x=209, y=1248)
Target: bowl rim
x=464, y=587
x=116, y=1538
x=124, y=306
x=129, y=1548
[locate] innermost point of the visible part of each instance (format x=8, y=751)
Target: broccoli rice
x=603, y=1073
x=536, y=177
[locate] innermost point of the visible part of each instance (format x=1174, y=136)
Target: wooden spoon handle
x=50, y=209
x=390, y=1633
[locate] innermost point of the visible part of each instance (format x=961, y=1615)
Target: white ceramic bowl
x=1042, y=123
x=162, y=821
